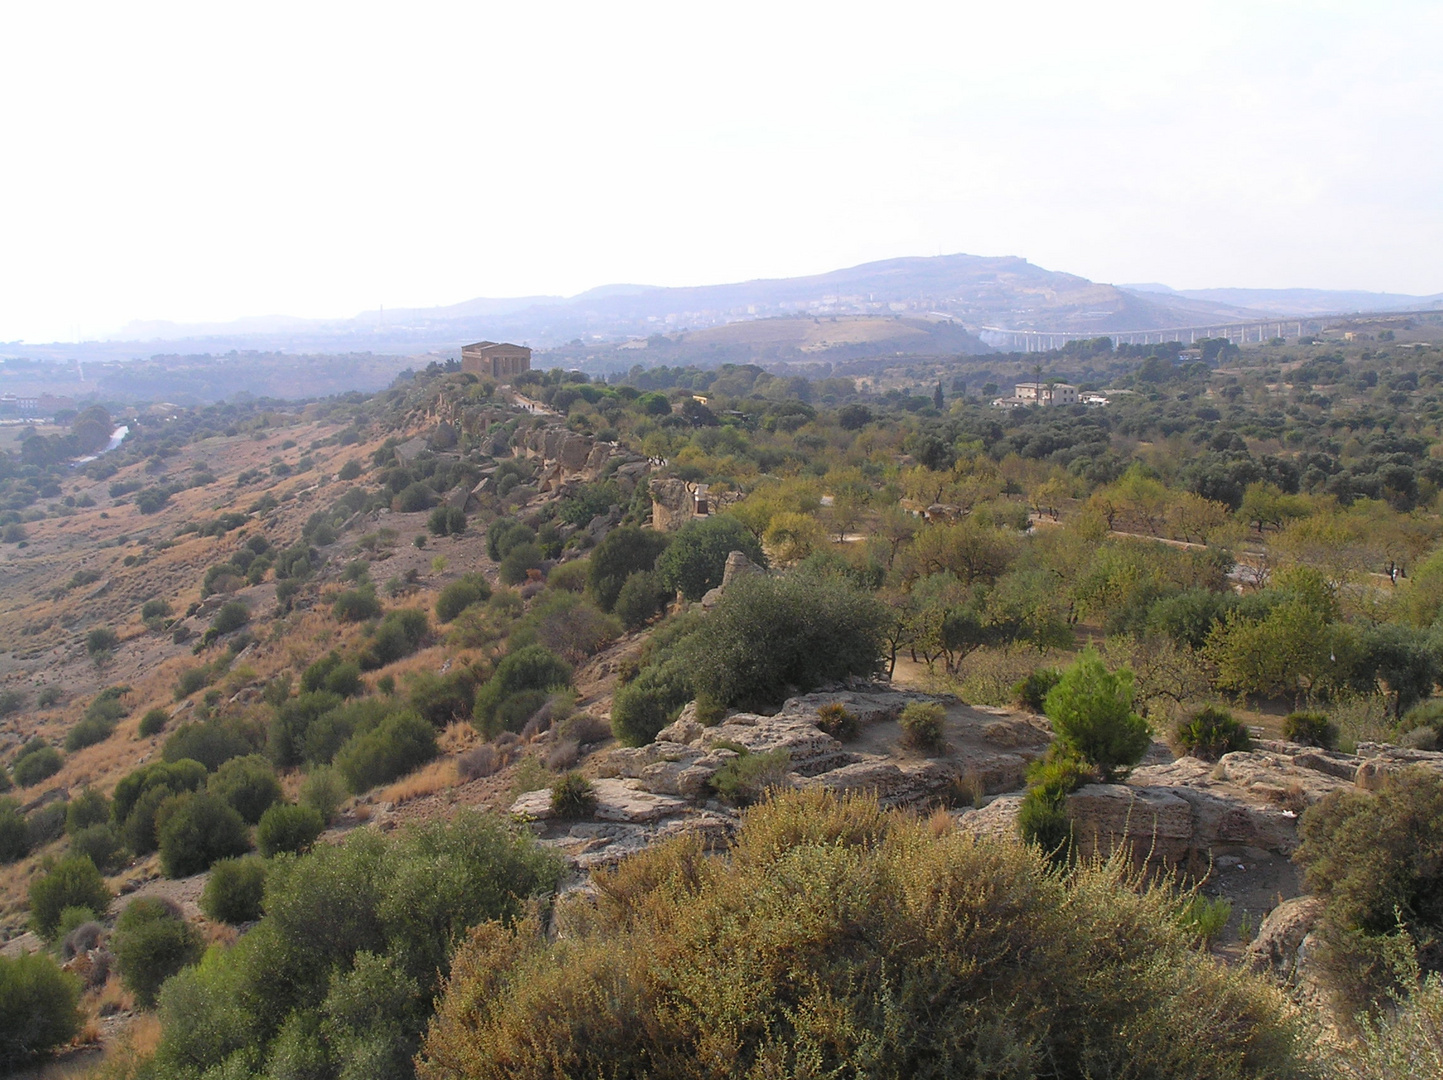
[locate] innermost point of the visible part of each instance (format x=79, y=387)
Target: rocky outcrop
x=737, y=566
x=1380, y=762
x=987, y=752
x=616, y=800
x=595, y=845
x=1151, y=823
x=1188, y=809
x=671, y=503
x=998, y=818
x=568, y=457
x=1278, y=950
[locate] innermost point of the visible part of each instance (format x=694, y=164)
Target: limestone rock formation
x=616, y=800
x=1278, y=948
x=1153, y=823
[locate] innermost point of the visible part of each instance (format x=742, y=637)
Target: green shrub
x=401, y=743
x=1042, y=817
x=649, y=702
x=211, y=742
x=323, y=791
x=88, y=808
x=39, y=1008
x=72, y=882
x=503, y=535
x=446, y=521
x=625, y=551
x=642, y=597
x=461, y=594
x=746, y=778
x=175, y=777
x=572, y=797
x=195, y=830
x=924, y=727
x=292, y=723
x=518, y=563
x=72, y=919
x=357, y=605
x=153, y=722
x=839, y=940
x=191, y=680
x=533, y=668
x=101, y=642
x=1204, y=917
x=248, y=784
x=288, y=827
x=572, y=576
x=694, y=561
x=568, y=624
x=333, y=674
x=350, y=470
x=14, y=836
x=1091, y=712
x=11, y=701
x=1361, y=853
x=100, y=844
x=414, y=498
x=46, y=824
x=87, y=732
x=838, y=721
x=1031, y=692
x=154, y=609
x=37, y=761
x=442, y=699
x=139, y=830
x=231, y=617
x=152, y=941
x=397, y=636
x=49, y=696
x=1311, y=729
x=516, y=711
x=1210, y=733
x=340, y=973
x=769, y=637
x=235, y=891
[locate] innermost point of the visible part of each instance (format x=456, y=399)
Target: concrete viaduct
x=1237, y=332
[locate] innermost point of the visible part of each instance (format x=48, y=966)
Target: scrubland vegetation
x=1238, y=546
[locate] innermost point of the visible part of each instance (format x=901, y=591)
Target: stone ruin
x=568, y=458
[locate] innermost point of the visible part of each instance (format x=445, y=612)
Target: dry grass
x=458, y=736
x=125, y=1059
x=112, y=998
x=427, y=780
x=940, y=823
x=563, y=755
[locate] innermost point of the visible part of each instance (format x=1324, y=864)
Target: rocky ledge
x=1190, y=810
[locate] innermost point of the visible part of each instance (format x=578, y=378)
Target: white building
x=1038, y=393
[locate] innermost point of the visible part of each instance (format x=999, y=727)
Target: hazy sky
x=198, y=161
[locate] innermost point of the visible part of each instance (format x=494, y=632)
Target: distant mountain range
x=973, y=293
